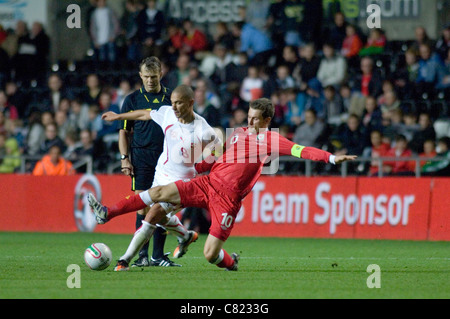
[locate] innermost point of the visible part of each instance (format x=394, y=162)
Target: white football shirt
x=183, y=145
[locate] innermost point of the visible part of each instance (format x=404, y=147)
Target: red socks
x=224, y=260
x=129, y=204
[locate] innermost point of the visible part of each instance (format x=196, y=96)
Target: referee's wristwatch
x=122, y=157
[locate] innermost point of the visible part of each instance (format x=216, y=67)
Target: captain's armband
x=296, y=150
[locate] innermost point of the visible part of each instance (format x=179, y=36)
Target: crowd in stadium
x=353, y=92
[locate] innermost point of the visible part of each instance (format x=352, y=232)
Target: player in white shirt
x=186, y=135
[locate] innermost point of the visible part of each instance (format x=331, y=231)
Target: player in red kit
x=232, y=176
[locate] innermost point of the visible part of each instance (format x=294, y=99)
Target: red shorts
x=222, y=208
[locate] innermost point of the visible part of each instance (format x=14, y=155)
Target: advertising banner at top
x=29, y=11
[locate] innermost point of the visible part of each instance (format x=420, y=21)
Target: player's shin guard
x=130, y=204
x=141, y=236
x=175, y=227
x=224, y=260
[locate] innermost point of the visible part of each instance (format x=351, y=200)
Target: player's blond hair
x=265, y=105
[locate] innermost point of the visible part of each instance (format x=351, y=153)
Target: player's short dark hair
x=151, y=63
x=265, y=105
x=185, y=91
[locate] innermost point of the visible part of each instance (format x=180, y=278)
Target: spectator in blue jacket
x=255, y=43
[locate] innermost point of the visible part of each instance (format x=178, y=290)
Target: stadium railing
x=343, y=169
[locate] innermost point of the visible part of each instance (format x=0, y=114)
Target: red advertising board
x=58, y=204
x=439, y=223
x=317, y=207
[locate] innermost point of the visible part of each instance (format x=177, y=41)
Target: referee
x=140, y=145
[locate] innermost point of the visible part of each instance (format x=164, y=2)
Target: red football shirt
x=240, y=166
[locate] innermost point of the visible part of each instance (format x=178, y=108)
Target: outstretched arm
x=138, y=115
x=338, y=159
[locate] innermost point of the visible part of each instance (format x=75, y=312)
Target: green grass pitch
x=34, y=265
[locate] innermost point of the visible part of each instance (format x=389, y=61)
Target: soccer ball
x=98, y=256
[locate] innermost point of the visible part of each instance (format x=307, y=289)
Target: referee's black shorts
x=144, y=164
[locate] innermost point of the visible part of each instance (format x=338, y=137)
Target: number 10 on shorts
x=227, y=221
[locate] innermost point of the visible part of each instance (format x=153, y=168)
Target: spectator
x=429, y=151
x=109, y=129
x=194, y=40
x=41, y=41
x=352, y=43
x=442, y=167
x=426, y=132
x=251, y=88
x=421, y=37
x=62, y=124
x=296, y=106
x=211, y=95
x=400, y=150
x=206, y=109
x=177, y=76
x=281, y=109
x=79, y=114
x=35, y=134
x=332, y=68
x=218, y=62
x=122, y=92
x=224, y=37
x=85, y=148
x=24, y=54
x=5, y=67
x=406, y=77
x=129, y=26
x=283, y=78
x=443, y=43
x=350, y=137
x=151, y=22
x=311, y=132
x=51, y=139
x=410, y=126
x=306, y=70
x=95, y=123
x=289, y=58
x=256, y=44
x=72, y=143
x=333, y=107
x=18, y=98
x=337, y=31
x=378, y=149
x=371, y=118
x=375, y=43
x=54, y=93
x=9, y=111
x=53, y=164
x=11, y=162
x=369, y=81
x=238, y=119
x=391, y=102
x=256, y=14
x=104, y=29
x=91, y=93
x=431, y=71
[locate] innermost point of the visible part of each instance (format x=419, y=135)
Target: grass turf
x=34, y=265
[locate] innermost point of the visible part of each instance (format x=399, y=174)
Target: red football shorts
x=223, y=209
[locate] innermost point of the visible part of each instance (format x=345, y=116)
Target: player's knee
x=156, y=193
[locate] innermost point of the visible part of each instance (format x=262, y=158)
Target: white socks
x=141, y=236
x=176, y=227
x=145, y=196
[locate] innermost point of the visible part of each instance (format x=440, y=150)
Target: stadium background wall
x=332, y=207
